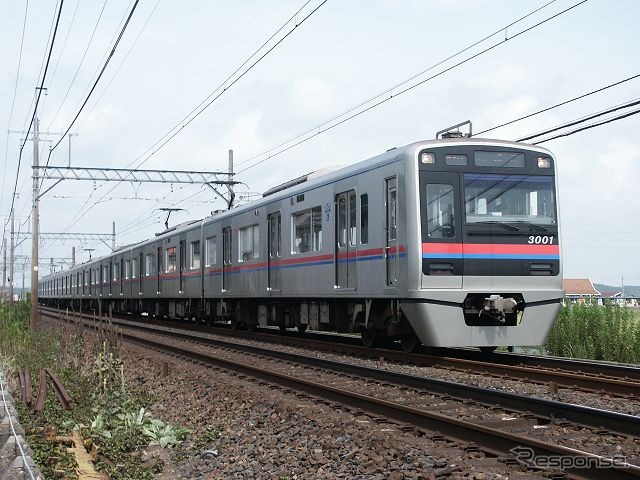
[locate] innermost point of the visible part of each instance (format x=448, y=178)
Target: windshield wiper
x=532, y=225
x=494, y=222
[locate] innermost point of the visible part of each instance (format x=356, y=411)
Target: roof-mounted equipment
x=454, y=131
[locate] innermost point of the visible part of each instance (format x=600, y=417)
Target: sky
x=341, y=54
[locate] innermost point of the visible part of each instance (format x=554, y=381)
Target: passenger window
x=440, y=211
x=211, y=251
x=248, y=244
x=170, y=259
x=195, y=254
x=307, y=231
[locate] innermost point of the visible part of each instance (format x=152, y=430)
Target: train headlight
x=426, y=157
x=544, y=162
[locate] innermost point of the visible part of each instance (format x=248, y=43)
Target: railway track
x=589, y=376
x=461, y=412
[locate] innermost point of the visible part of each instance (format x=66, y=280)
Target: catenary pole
x=11, y=258
x=33, y=323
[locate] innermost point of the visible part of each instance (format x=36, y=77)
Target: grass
x=108, y=413
x=596, y=332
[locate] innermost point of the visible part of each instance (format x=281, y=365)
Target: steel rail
x=492, y=441
x=547, y=410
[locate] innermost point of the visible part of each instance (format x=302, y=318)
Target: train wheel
x=302, y=327
x=282, y=327
x=369, y=337
x=488, y=349
x=234, y=323
x=410, y=342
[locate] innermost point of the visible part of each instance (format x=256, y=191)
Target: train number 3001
x=540, y=240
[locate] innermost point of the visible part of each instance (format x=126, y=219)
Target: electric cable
x=95, y=84
x=592, y=125
x=13, y=99
x=124, y=59
x=633, y=77
x=631, y=103
x=401, y=92
x=75, y=75
x=222, y=88
x=35, y=110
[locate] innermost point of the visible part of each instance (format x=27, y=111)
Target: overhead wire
x=212, y=97
x=590, y=126
x=329, y=125
x=64, y=43
x=95, y=84
x=35, y=110
x=415, y=75
x=546, y=109
x=75, y=75
x=223, y=87
x=412, y=78
x=122, y=62
x=44, y=57
x=628, y=104
x=13, y=99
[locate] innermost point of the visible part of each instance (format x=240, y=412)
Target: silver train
x=451, y=242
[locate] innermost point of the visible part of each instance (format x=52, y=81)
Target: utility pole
x=113, y=238
x=230, y=184
x=33, y=322
x=73, y=257
x=11, y=259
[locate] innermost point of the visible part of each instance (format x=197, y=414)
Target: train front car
x=487, y=223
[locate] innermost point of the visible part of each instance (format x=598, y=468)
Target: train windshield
x=509, y=198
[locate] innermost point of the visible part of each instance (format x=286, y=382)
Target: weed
x=608, y=332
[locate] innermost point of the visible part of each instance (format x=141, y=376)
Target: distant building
x=579, y=289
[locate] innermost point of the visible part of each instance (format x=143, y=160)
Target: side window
x=116, y=271
x=307, y=230
x=148, y=264
x=248, y=243
x=134, y=268
x=105, y=274
x=211, y=251
x=364, y=218
x=195, y=254
x=440, y=212
x=127, y=269
x=170, y=259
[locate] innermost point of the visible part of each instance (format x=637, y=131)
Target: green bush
x=596, y=332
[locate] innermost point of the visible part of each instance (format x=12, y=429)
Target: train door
x=226, y=258
x=275, y=243
x=182, y=263
x=346, y=242
x=391, y=231
x=442, y=264
x=159, y=270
